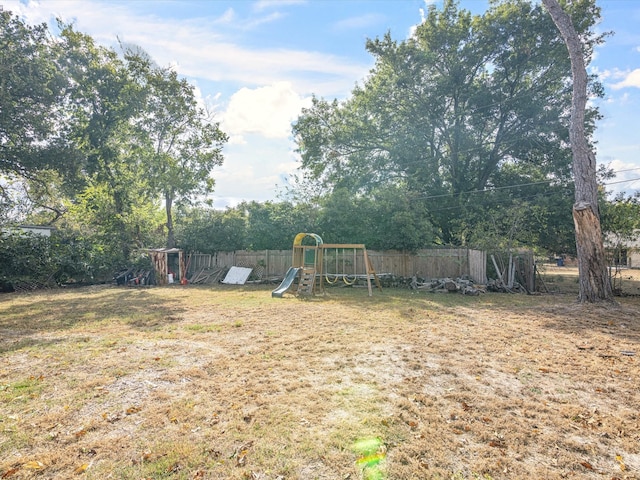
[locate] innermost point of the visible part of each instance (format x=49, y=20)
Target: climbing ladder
x=307, y=281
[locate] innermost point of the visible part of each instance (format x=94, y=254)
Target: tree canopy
x=468, y=104
x=178, y=143
x=33, y=86
x=95, y=140
x=459, y=135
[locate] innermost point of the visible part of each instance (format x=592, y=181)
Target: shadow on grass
x=8, y=345
x=390, y=296
x=618, y=321
x=22, y=316
x=561, y=313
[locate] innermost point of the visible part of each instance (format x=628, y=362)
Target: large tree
x=468, y=104
x=33, y=88
x=104, y=100
x=177, y=139
x=593, y=272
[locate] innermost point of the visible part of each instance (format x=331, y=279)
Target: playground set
x=312, y=261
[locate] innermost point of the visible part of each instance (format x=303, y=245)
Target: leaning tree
x=593, y=273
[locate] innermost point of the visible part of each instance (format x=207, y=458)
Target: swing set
x=343, y=261
x=316, y=262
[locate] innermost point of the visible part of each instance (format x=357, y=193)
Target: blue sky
x=257, y=63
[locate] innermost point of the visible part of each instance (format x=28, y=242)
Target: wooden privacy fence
x=436, y=263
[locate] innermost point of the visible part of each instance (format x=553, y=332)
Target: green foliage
x=125, y=134
x=427, y=150
x=176, y=140
x=94, y=217
x=32, y=88
x=211, y=231
x=27, y=258
x=467, y=104
x=104, y=100
x=273, y=225
x=620, y=220
x=383, y=221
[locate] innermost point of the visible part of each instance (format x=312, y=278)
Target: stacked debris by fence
x=464, y=286
x=135, y=277
x=207, y=275
x=517, y=274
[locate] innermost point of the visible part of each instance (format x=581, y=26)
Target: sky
x=257, y=63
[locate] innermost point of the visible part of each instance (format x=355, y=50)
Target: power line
x=622, y=181
x=507, y=187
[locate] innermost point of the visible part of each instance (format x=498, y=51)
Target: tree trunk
x=168, y=204
x=592, y=265
x=123, y=234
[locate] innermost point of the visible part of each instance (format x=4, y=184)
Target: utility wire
x=507, y=187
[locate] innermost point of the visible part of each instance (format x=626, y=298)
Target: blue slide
x=291, y=275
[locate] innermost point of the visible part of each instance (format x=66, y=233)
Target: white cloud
x=228, y=16
x=627, y=178
x=256, y=22
x=267, y=111
x=631, y=79
x=203, y=47
x=253, y=170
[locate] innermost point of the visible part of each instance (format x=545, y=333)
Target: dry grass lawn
x=224, y=382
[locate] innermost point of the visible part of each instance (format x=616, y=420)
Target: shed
x=169, y=265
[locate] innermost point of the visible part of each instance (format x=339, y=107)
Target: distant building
x=34, y=229
x=624, y=252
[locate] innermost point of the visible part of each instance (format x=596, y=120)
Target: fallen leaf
x=10, y=472
x=132, y=410
x=587, y=465
x=33, y=465
x=81, y=469
x=544, y=370
x=466, y=407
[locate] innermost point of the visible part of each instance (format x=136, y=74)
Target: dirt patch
x=228, y=383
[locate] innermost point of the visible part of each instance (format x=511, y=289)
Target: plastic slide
x=291, y=275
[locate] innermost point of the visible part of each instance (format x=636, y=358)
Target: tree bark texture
x=168, y=204
x=592, y=265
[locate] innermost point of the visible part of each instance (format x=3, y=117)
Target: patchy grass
x=225, y=382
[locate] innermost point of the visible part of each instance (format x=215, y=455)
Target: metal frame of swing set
x=301, y=260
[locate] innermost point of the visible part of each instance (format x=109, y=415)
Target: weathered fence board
x=436, y=263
